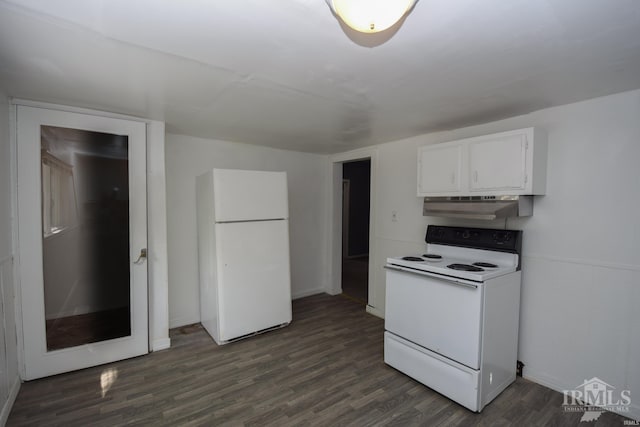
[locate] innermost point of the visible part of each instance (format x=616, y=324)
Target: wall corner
x=157, y=238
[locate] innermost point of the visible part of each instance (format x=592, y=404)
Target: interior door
x=82, y=236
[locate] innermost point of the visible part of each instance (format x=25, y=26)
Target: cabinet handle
x=475, y=176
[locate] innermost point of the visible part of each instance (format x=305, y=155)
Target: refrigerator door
x=241, y=195
x=254, y=281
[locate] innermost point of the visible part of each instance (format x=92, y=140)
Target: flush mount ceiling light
x=371, y=16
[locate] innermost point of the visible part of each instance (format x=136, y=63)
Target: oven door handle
x=452, y=280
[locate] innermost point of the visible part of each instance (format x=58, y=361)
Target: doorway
x=356, y=190
x=82, y=234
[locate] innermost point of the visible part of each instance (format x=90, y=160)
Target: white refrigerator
x=243, y=252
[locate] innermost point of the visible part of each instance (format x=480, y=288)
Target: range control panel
x=476, y=238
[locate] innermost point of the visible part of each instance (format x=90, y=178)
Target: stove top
x=475, y=254
x=485, y=265
x=411, y=258
x=472, y=264
x=464, y=267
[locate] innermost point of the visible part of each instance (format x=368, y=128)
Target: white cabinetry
x=498, y=163
x=444, y=163
x=507, y=163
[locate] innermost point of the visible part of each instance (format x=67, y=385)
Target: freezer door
x=241, y=195
x=254, y=284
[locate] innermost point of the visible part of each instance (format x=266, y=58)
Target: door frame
x=40, y=361
x=346, y=206
x=374, y=300
x=157, y=279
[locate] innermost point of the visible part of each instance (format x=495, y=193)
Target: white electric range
x=452, y=313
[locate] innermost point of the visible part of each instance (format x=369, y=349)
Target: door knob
x=142, y=256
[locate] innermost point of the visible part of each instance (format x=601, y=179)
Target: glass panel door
x=82, y=227
x=85, y=241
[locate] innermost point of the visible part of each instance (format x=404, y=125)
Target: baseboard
x=160, y=344
x=307, y=293
x=375, y=311
x=545, y=380
x=182, y=321
x=13, y=393
x=334, y=292
x=553, y=384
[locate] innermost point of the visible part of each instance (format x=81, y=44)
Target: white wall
x=581, y=265
x=188, y=157
x=9, y=380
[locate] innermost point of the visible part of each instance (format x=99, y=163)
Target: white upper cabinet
x=444, y=163
x=498, y=163
x=507, y=163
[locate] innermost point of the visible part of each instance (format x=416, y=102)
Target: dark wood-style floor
x=325, y=369
x=355, y=275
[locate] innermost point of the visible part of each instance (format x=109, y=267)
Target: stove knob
x=501, y=237
x=465, y=234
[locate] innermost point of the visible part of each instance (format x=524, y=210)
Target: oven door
x=439, y=313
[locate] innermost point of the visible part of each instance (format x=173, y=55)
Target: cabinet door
x=498, y=163
x=439, y=169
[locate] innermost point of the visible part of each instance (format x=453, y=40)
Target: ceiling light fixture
x=371, y=16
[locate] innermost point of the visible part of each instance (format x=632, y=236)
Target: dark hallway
x=355, y=229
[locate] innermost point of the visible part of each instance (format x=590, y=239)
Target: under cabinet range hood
x=478, y=207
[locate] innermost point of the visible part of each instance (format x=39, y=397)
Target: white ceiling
x=285, y=73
